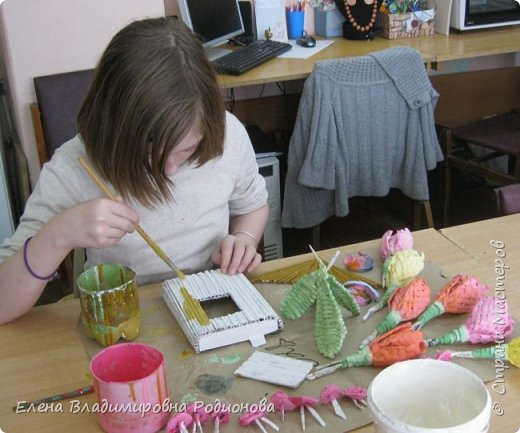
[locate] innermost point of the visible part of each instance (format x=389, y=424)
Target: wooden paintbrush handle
x=153, y=245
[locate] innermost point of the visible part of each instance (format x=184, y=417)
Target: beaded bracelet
x=28, y=267
x=245, y=233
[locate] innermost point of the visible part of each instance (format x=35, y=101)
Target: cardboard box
x=328, y=23
x=407, y=25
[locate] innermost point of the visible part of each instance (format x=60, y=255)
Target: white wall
x=42, y=37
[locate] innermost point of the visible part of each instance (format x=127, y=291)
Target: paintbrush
x=153, y=245
x=24, y=405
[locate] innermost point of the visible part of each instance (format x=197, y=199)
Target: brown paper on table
x=184, y=367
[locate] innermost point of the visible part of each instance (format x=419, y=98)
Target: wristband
x=28, y=267
x=245, y=233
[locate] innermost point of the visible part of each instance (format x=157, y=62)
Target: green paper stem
x=483, y=353
x=389, y=292
x=360, y=358
x=457, y=335
x=391, y=320
x=434, y=310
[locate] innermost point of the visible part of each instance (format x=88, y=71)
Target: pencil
x=157, y=249
x=58, y=397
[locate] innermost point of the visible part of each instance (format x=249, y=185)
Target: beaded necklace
x=353, y=21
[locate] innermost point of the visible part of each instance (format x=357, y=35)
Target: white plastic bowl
x=429, y=396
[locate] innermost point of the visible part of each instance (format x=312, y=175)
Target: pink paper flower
x=392, y=242
x=355, y=392
x=250, y=417
x=174, y=424
x=304, y=400
x=200, y=415
x=489, y=320
x=330, y=392
x=444, y=355
x=281, y=401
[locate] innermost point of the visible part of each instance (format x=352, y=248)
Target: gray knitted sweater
x=364, y=125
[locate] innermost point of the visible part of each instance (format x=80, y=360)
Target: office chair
x=364, y=125
x=59, y=98
x=498, y=135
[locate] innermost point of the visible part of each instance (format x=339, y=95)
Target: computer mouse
x=306, y=41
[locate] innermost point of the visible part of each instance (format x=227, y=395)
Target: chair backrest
x=59, y=99
x=508, y=199
x=54, y=116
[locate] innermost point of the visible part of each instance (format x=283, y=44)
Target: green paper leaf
x=301, y=296
x=330, y=329
x=343, y=296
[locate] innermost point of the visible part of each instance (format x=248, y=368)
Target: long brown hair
x=152, y=84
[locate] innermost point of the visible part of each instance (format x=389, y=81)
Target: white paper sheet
x=276, y=369
x=271, y=14
x=299, y=52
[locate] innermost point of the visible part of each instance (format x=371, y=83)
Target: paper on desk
x=299, y=52
x=270, y=14
x=276, y=369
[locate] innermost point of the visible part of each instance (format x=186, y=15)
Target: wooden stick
x=153, y=245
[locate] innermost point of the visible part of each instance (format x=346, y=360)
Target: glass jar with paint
x=130, y=380
x=109, y=303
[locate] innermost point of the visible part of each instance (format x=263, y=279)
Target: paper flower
x=392, y=242
x=282, y=403
x=490, y=320
x=222, y=416
x=509, y=351
x=398, y=269
x=406, y=303
x=458, y=296
x=357, y=394
x=323, y=289
x=330, y=394
x=257, y=418
x=179, y=423
x=200, y=416
x=359, y=263
x=305, y=402
x=398, y=344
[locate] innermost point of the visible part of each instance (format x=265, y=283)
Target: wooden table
x=476, y=240
x=42, y=355
x=434, y=49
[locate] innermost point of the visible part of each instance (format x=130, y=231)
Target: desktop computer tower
x=270, y=168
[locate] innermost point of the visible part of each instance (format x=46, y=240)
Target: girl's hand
x=97, y=223
x=236, y=254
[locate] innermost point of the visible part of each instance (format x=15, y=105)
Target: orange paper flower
x=398, y=344
x=458, y=296
x=461, y=294
x=406, y=303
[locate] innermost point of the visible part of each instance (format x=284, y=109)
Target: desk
x=42, y=354
x=434, y=49
x=461, y=96
x=474, y=239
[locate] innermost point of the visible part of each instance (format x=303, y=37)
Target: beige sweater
x=188, y=229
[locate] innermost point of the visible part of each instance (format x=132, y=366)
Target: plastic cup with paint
x=109, y=303
x=429, y=396
x=130, y=383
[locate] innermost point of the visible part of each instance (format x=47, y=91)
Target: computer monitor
x=216, y=21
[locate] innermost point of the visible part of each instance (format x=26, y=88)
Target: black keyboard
x=245, y=58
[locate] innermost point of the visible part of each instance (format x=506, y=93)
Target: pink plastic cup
x=130, y=383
